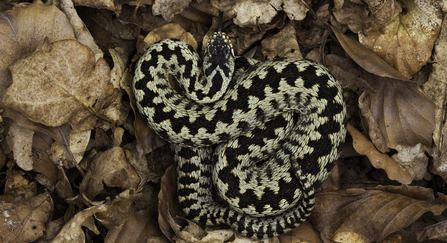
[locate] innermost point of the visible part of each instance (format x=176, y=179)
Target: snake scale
x=263, y=135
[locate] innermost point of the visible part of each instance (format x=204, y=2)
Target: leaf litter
x=76, y=163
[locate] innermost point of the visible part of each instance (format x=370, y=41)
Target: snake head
x=219, y=55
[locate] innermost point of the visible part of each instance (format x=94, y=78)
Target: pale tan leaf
x=22, y=30
x=59, y=83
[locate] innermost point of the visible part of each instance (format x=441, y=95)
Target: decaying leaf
x=24, y=220
x=379, y=160
x=371, y=215
x=22, y=30
x=59, y=83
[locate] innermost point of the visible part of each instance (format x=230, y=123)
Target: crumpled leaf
x=371, y=215
x=110, y=168
x=379, y=160
x=72, y=230
x=59, y=83
x=22, y=30
x=24, y=220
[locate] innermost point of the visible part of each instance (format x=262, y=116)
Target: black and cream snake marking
x=264, y=135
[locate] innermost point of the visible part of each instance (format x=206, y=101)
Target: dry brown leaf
x=110, y=168
x=59, y=83
x=366, y=58
x=72, y=230
x=24, y=29
x=400, y=32
x=370, y=215
x=379, y=160
x=282, y=44
x=396, y=113
x=24, y=220
x=406, y=41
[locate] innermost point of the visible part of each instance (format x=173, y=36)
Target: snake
x=262, y=136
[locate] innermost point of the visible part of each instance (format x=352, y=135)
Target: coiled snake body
x=265, y=135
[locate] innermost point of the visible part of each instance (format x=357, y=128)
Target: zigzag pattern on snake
x=265, y=135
